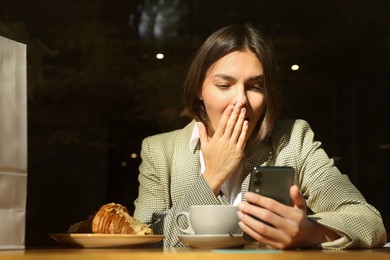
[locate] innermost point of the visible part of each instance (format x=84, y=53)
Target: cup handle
x=189, y=229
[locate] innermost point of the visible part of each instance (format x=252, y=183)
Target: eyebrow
x=223, y=76
x=228, y=77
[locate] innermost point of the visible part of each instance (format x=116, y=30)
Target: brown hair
x=217, y=45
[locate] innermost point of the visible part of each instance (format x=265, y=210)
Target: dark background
x=95, y=89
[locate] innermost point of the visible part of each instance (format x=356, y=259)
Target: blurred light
x=384, y=146
x=124, y=164
x=160, y=56
x=295, y=67
x=337, y=158
x=133, y=155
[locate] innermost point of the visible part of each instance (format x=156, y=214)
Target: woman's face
x=235, y=78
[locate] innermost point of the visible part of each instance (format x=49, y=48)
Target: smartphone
x=273, y=182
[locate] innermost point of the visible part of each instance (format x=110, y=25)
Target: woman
x=230, y=93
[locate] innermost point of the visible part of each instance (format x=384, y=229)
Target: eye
x=256, y=86
x=223, y=85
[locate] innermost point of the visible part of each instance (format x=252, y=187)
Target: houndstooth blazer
x=170, y=182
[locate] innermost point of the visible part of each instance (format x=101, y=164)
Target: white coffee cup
x=210, y=219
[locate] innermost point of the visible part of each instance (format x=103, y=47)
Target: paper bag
x=13, y=144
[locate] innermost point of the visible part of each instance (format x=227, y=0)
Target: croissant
x=111, y=218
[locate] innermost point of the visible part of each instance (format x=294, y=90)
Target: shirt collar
x=194, y=137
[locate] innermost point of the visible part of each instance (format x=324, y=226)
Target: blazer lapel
x=185, y=163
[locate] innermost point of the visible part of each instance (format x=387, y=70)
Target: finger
x=238, y=126
x=268, y=206
x=264, y=232
x=241, y=143
x=231, y=124
x=259, y=214
x=259, y=236
x=280, y=216
x=255, y=198
x=297, y=198
x=259, y=230
x=203, y=134
x=253, y=224
x=255, y=234
x=223, y=121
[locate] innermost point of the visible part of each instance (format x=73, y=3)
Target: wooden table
x=190, y=254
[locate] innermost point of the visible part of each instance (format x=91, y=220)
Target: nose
x=241, y=96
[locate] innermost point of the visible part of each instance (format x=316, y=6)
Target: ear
x=199, y=94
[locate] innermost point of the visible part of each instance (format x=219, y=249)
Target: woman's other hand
x=289, y=226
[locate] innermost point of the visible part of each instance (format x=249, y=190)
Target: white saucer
x=105, y=240
x=214, y=241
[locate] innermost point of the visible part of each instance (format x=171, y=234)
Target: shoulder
x=168, y=140
x=288, y=127
x=293, y=141
x=292, y=131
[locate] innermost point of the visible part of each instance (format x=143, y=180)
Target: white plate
x=105, y=240
x=214, y=241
